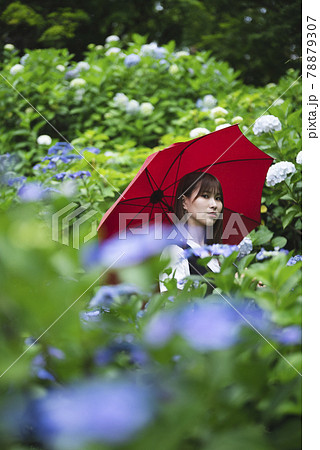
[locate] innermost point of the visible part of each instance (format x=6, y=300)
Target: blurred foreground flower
x=95, y=411
x=266, y=123
x=278, y=172
x=106, y=294
x=131, y=249
x=208, y=326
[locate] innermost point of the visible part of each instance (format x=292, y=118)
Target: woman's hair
x=208, y=183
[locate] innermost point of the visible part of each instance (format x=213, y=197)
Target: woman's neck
x=197, y=233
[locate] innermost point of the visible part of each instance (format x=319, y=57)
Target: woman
x=200, y=196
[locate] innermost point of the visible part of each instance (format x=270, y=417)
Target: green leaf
x=262, y=236
x=279, y=241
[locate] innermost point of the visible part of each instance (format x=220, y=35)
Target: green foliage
x=245, y=396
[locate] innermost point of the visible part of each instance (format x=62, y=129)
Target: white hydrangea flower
x=146, y=108
x=245, y=247
x=278, y=102
x=132, y=107
x=99, y=47
x=181, y=53
x=44, y=139
x=77, y=82
x=83, y=65
x=16, y=69
x=112, y=51
x=278, y=172
x=237, y=119
x=60, y=67
x=266, y=123
x=173, y=69
x=209, y=101
x=218, y=112
x=121, y=100
x=9, y=47
x=153, y=50
x=196, y=132
x=223, y=125
x=112, y=38
x=299, y=158
x=79, y=94
x=24, y=58
x=220, y=121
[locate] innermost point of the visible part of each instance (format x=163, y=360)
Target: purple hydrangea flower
x=95, y=411
x=132, y=60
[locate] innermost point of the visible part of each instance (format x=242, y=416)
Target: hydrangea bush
x=90, y=366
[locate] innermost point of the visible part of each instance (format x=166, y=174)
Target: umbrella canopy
x=227, y=154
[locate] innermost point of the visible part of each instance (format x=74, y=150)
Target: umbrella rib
x=179, y=156
x=149, y=174
x=139, y=212
x=222, y=162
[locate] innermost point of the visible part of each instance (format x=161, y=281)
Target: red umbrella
x=227, y=154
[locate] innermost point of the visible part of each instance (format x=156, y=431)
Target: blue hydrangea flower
x=63, y=147
x=107, y=355
x=106, y=294
x=60, y=176
x=288, y=336
x=31, y=192
x=16, y=181
x=94, y=411
x=132, y=60
x=294, y=259
x=80, y=174
x=73, y=73
x=209, y=326
x=92, y=150
x=129, y=249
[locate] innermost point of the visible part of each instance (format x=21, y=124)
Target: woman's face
x=205, y=210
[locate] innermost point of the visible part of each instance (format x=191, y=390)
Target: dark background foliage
x=261, y=38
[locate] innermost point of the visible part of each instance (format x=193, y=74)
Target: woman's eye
x=205, y=195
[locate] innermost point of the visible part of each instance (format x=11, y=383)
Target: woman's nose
x=213, y=203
